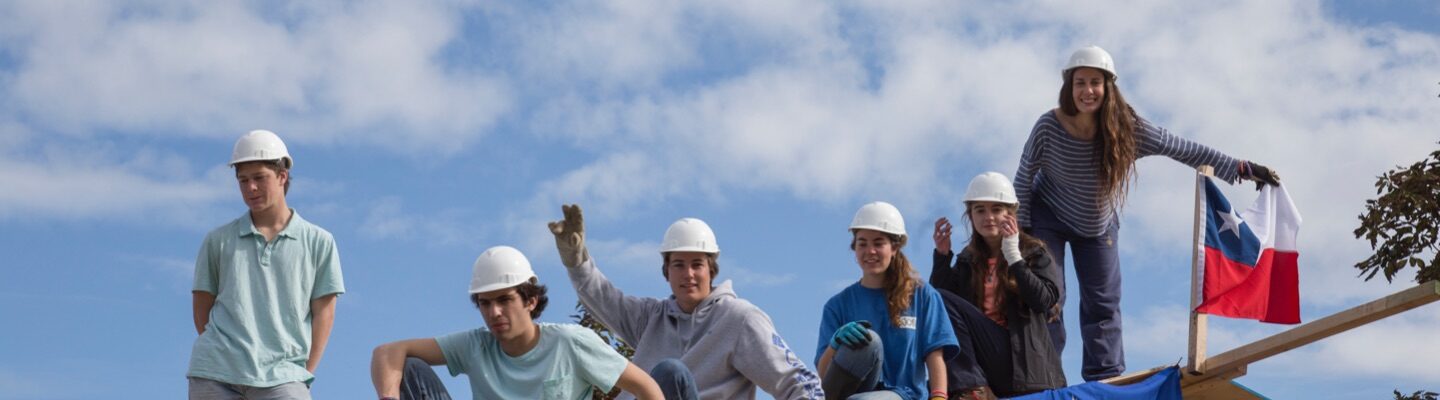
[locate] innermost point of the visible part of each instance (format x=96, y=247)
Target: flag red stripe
x=1269, y=291
x=1284, y=286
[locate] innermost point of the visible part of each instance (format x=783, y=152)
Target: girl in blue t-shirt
x=885, y=336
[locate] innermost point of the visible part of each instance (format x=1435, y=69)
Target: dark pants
x=856, y=373
x=421, y=383
x=984, y=358
x=1097, y=269
x=675, y=380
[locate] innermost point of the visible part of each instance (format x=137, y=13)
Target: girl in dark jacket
x=999, y=295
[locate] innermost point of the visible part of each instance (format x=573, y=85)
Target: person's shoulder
x=475, y=339
x=743, y=311
x=1051, y=116
x=966, y=257
x=568, y=332
x=735, y=303
x=925, y=290
x=230, y=229
x=845, y=293
x=300, y=223
x=572, y=336
x=303, y=228
x=1048, y=123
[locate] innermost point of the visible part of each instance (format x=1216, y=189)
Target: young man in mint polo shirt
x=513, y=357
x=265, y=288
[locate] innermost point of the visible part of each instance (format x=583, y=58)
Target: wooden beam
x=1134, y=377
x=1189, y=384
x=1420, y=295
x=1197, y=383
x=1198, y=321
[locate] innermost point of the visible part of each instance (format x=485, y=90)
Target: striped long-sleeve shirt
x=1065, y=171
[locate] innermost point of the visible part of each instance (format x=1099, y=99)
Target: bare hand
x=1009, y=227
x=942, y=235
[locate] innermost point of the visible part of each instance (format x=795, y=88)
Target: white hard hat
x=260, y=145
x=991, y=186
x=498, y=268
x=1093, y=57
x=689, y=234
x=879, y=216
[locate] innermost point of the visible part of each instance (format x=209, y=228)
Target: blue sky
x=424, y=133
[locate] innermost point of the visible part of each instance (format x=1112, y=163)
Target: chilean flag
x=1251, y=262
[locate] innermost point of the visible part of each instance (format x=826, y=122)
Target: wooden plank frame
x=1331, y=325
x=1198, y=321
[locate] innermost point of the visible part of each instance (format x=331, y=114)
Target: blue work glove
x=852, y=335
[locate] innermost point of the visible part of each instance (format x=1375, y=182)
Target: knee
x=413, y=364
x=670, y=370
x=875, y=350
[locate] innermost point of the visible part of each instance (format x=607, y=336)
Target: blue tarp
x=1164, y=385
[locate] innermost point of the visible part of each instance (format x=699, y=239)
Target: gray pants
x=855, y=374
x=209, y=389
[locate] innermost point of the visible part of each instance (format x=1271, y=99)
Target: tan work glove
x=570, y=236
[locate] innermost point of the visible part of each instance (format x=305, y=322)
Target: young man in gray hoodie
x=703, y=341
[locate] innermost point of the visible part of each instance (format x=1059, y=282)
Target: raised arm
x=624, y=315
x=1154, y=140
x=941, y=275
x=387, y=363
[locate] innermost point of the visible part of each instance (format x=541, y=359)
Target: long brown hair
x=900, y=278
x=979, y=265
x=1115, y=130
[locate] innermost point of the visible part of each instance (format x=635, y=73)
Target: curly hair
x=526, y=291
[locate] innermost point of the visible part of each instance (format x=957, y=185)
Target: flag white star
x=1232, y=222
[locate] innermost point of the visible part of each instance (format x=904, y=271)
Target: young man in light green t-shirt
x=265, y=288
x=515, y=358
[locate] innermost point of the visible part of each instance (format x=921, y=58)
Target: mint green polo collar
x=247, y=228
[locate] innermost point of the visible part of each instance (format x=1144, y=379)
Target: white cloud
x=1327, y=105
x=372, y=71
x=117, y=191
x=1401, y=346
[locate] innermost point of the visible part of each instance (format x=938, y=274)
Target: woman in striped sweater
x=1073, y=177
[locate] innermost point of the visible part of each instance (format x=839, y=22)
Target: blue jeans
x=1097, y=269
x=675, y=380
x=209, y=389
x=419, y=382
x=855, y=374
